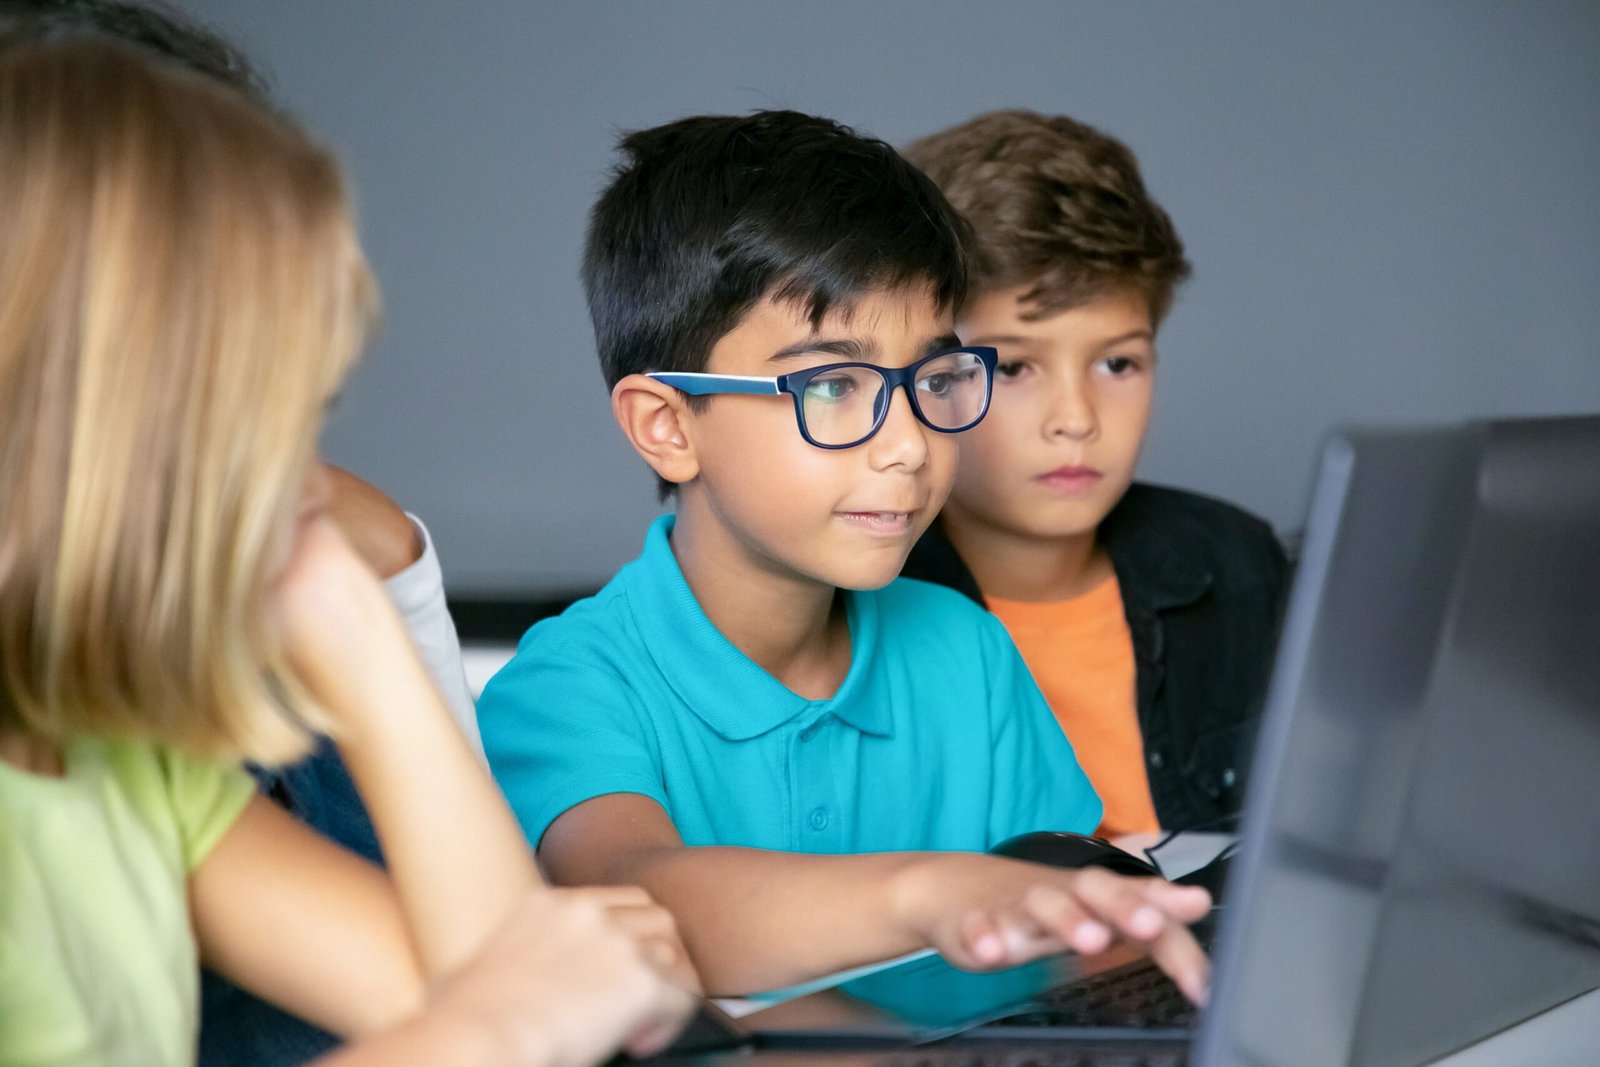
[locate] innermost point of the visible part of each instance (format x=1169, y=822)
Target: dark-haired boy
x=1147, y=615
x=754, y=720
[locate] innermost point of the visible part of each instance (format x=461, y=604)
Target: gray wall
x=1394, y=212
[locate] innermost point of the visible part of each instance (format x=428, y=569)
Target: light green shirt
x=98, y=963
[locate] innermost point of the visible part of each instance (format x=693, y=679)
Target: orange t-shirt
x=1081, y=655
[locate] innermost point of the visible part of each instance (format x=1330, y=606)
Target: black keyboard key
x=1134, y=996
x=969, y=1053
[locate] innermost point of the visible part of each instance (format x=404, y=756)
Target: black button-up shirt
x=1203, y=586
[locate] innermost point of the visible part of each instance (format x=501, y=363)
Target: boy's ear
x=652, y=416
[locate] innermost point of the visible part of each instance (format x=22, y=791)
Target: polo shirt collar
x=726, y=689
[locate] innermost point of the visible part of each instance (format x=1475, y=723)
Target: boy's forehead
x=872, y=319
x=1016, y=304
x=895, y=325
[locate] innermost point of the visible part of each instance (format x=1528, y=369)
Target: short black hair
x=154, y=26
x=706, y=216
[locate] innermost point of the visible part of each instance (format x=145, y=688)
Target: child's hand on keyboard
x=985, y=913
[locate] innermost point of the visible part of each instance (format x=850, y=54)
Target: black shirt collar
x=1155, y=568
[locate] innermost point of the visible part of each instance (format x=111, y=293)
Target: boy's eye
x=946, y=382
x=830, y=387
x=1120, y=366
x=1009, y=368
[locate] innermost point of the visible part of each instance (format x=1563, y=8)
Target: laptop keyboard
x=1136, y=996
x=1006, y=1054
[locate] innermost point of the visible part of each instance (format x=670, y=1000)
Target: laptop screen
x=1418, y=871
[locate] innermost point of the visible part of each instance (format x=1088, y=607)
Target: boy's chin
x=863, y=579
x=1061, y=521
x=1065, y=531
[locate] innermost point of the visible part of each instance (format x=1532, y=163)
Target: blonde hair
x=181, y=292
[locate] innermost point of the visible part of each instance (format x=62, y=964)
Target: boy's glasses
x=842, y=405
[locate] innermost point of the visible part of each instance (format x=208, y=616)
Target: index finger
x=1178, y=954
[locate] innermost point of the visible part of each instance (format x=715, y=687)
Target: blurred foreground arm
x=558, y=986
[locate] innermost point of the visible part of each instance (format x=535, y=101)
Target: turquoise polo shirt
x=937, y=739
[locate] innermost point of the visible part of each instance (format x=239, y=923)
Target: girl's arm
x=596, y=989
x=305, y=924
x=456, y=856
x=571, y=976
x=279, y=910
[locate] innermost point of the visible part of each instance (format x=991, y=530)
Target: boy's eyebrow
x=848, y=347
x=1132, y=335
x=991, y=340
x=852, y=348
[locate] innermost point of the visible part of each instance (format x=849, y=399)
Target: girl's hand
x=336, y=621
x=559, y=985
x=563, y=985
x=634, y=912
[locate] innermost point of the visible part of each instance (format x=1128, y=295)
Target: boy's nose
x=1071, y=413
x=902, y=439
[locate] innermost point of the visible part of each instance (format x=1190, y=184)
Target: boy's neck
x=793, y=627
x=1013, y=566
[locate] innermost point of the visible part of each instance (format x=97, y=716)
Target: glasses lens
x=841, y=405
x=952, y=389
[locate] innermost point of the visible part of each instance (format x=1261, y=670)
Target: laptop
x=1416, y=868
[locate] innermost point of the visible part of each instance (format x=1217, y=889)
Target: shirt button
x=1228, y=778
x=819, y=819
x=809, y=732
x=1156, y=760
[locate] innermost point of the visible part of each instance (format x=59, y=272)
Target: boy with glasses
x=794, y=752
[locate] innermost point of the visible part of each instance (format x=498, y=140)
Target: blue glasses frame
x=701, y=384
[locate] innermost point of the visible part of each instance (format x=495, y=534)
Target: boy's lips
x=1070, y=480
x=888, y=523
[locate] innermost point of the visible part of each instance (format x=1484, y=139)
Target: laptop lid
x=1418, y=868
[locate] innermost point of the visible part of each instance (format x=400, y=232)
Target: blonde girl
x=180, y=295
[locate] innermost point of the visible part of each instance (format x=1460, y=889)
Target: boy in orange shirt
x=1147, y=615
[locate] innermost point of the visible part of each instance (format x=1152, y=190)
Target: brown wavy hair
x=1057, y=204
x=181, y=292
